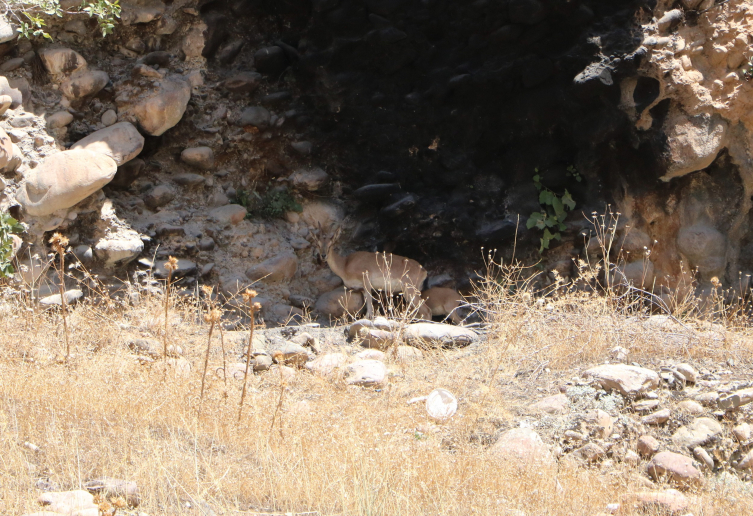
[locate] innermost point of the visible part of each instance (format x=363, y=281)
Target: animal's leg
x=369, y=303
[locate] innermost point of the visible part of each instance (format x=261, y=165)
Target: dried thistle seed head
x=171, y=264
x=257, y=306
x=207, y=290
x=58, y=242
x=213, y=316
x=248, y=295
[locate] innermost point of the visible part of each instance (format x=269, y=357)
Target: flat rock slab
x=674, y=467
x=557, y=404
x=379, y=323
x=327, y=364
x=699, y=432
x=230, y=214
x=626, y=379
x=668, y=501
x=438, y=334
x=523, y=447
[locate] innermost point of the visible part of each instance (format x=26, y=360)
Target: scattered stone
x=438, y=334
x=522, y=447
x=278, y=269
x=270, y=60
x=327, y=364
x=628, y=380
x=262, y=362
x=185, y=268
x=127, y=173
x=5, y=103
x=122, y=142
x=708, y=399
x=441, y=405
x=648, y=446
x=164, y=110
x=645, y=405
x=367, y=373
x=244, y=82
x=736, y=399
x=557, y=404
x=230, y=214
x=591, y=452
x=697, y=433
x=60, y=60
x=159, y=196
x=600, y=423
x=371, y=354
x=191, y=180
x=743, y=432
x=84, y=83
x=379, y=323
x=71, y=297
x=675, y=467
x=690, y=407
x=12, y=64
x=148, y=347
x=119, y=249
x=59, y=119
x=703, y=457
x=255, y=116
x=303, y=148
x=631, y=458
x=199, y=157
x=63, y=180
x=22, y=120
x=668, y=501
x=109, y=117
x=688, y=371
x=290, y=354
x=309, y=179
x=657, y=418
x=339, y=302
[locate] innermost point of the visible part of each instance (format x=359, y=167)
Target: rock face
x=122, y=142
x=628, y=380
x=63, y=180
x=274, y=270
x=164, y=110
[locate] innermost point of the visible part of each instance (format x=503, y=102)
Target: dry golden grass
x=334, y=449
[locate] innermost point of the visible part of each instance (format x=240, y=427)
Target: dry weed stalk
x=213, y=317
x=171, y=265
x=248, y=297
x=59, y=243
x=279, y=404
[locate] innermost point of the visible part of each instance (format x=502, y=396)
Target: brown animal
x=441, y=301
x=374, y=271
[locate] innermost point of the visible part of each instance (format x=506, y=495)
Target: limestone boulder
x=61, y=60
x=705, y=248
x=6, y=149
x=698, y=432
x=198, y=157
x=63, y=180
x=122, y=142
x=160, y=112
x=675, y=468
x=59, y=119
x=84, y=83
x=11, y=90
x=274, y=270
x=339, y=302
x=693, y=141
x=626, y=379
x=68, y=502
x=367, y=373
x=327, y=364
x=310, y=179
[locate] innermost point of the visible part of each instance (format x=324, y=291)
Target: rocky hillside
x=225, y=132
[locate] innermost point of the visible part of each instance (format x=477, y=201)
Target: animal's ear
x=337, y=233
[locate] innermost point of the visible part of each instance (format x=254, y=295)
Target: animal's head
x=326, y=241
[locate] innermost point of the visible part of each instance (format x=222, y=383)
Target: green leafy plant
x=553, y=213
x=28, y=15
x=8, y=226
x=272, y=204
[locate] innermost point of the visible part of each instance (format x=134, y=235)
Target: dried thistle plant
x=171, y=265
x=207, y=291
x=248, y=297
x=213, y=316
x=59, y=243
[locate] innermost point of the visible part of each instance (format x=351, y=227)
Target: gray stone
x=628, y=380
x=165, y=109
x=198, y=157
x=59, y=119
x=12, y=64
x=185, y=268
x=256, y=116
x=159, y=196
x=244, y=82
x=71, y=297
x=109, y=117
x=705, y=248
x=277, y=269
x=697, y=433
x=438, y=334
x=309, y=179
x=339, y=302
x=84, y=83
x=270, y=60
x=188, y=179
x=230, y=214
x=119, y=249
x=367, y=373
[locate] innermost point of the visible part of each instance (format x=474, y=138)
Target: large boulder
x=6, y=149
x=63, y=180
x=438, y=334
x=119, y=249
x=675, y=468
x=164, y=110
x=705, y=249
x=700, y=431
x=122, y=142
x=61, y=60
x=84, y=83
x=367, y=373
x=274, y=270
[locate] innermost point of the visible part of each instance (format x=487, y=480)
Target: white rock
x=160, y=112
x=438, y=334
x=63, y=180
x=327, y=364
x=121, y=142
x=441, y=404
x=120, y=249
x=230, y=214
x=367, y=373
x=699, y=432
x=109, y=117
x=59, y=119
x=522, y=447
x=627, y=379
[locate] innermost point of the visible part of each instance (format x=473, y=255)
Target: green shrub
x=553, y=212
x=28, y=15
x=273, y=204
x=8, y=226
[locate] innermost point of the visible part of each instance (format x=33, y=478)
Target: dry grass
x=335, y=449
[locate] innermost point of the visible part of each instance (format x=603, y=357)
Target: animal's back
x=400, y=271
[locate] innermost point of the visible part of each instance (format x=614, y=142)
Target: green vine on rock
x=553, y=212
x=27, y=15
